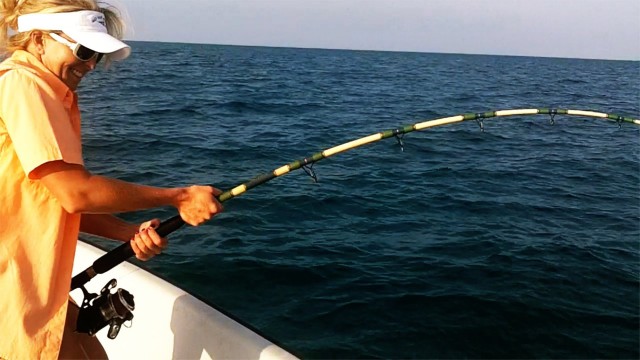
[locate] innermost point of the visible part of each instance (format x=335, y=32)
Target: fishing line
x=124, y=251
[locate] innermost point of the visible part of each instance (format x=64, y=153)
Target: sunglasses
x=81, y=52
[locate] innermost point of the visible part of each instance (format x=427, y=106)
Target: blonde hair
x=11, y=9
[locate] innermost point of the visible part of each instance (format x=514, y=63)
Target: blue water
x=521, y=241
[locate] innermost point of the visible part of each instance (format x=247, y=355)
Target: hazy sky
x=600, y=29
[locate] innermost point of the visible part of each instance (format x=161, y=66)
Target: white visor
x=86, y=27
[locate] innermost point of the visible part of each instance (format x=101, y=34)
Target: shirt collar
x=26, y=60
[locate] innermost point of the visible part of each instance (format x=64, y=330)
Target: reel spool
x=108, y=308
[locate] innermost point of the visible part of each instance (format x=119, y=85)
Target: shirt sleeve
x=37, y=122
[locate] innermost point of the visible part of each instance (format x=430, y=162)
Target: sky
x=592, y=29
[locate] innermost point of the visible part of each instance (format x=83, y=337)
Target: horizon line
x=382, y=50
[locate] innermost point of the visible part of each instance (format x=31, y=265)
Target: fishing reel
x=98, y=311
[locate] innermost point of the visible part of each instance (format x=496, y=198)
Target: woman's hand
x=146, y=243
x=198, y=204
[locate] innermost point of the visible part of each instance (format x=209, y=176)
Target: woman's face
x=59, y=59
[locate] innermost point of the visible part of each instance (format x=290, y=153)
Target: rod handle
x=116, y=256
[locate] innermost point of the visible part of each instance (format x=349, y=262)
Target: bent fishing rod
x=124, y=251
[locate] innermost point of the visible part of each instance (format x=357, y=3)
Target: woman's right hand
x=198, y=204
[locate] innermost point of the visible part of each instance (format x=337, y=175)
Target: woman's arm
x=145, y=241
x=108, y=226
x=82, y=192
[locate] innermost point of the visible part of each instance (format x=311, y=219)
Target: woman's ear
x=37, y=41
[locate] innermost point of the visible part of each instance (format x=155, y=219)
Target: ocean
x=518, y=241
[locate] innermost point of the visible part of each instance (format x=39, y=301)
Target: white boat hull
x=168, y=322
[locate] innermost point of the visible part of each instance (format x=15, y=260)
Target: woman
x=46, y=194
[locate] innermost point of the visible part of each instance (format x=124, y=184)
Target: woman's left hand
x=146, y=243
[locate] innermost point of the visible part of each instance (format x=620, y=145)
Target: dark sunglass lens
x=84, y=53
x=99, y=57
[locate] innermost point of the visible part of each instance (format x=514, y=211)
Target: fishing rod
x=125, y=251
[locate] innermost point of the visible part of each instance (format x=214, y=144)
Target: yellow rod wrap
x=637, y=122
x=238, y=190
x=586, y=113
x=437, y=122
x=281, y=170
x=516, y=112
x=352, y=144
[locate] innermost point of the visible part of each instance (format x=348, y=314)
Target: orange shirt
x=39, y=123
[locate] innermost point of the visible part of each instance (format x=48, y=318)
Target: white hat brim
x=102, y=43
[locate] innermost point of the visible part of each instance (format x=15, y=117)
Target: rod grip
x=114, y=257
x=168, y=226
